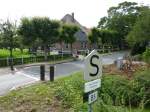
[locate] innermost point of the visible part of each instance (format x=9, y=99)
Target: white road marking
x=29, y=76
x=21, y=85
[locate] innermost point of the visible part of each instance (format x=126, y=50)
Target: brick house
x=82, y=42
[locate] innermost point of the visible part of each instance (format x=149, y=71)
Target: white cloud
x=87, y=12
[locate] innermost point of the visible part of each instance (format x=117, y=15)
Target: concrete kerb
x=45, y=63
x=6, y=70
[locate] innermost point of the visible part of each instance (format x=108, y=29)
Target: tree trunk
x=61, y=49
x=45, y=53
x=21, y=49
x=71, y=49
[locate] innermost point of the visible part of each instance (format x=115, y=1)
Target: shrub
x=146, y=55
x=113, y=89
x=137, y=57
x=26, y=60
x=142, y=88
x=139, y=48
x=117, y=90
x=70, y=92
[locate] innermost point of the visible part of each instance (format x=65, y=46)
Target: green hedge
x=146, y=56
x=118, y=90
x=18, y=61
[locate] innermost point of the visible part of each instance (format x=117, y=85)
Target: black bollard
x=52, y=69
x=42, y=72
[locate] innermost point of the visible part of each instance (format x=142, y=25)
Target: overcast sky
x=87, y=12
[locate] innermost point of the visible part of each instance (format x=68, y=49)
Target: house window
x=83, y=45
x=67, y=46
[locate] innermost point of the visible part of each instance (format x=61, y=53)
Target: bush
x=146, y=55
x=113, y=89
x=69, y=92
x=18, y=61
x=142, y=88
x=137, y=57
x=117, y=90
x=139, y=48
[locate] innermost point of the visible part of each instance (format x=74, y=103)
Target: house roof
x=81, y=35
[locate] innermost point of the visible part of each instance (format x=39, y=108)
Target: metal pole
x=54, y=59
x=52, y=70
x=11, y=61
x=42, y=72
x=90, y=108
x=62, y=53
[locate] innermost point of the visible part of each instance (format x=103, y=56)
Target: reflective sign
x=93, y=66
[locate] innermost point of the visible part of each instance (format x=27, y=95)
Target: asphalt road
x=70, y=67
x=31, y=74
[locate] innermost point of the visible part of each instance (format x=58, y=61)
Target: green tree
x=121, y=19
x=146, y=55
x=68, y=34
x=141, y=30
x=27, y=31
x=99, y=37
x=139, y=36
x=40, y=28
x=94, y=37
x=8, y=37
x=108, y=37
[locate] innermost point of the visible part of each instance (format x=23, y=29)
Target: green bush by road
x=117, y=94
x=4, y=53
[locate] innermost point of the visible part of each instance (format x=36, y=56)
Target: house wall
x=76, y=46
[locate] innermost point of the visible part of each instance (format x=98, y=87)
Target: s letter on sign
x=93, y=66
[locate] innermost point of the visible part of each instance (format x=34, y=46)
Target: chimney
x=72, y=16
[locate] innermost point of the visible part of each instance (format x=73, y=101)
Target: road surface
x=31, y=74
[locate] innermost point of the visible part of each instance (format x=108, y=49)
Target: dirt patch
x=126, y=70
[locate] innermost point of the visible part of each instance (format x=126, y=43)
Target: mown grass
x=65, y=95
x=4, y=53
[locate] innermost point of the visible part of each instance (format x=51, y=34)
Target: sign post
x=92, y=75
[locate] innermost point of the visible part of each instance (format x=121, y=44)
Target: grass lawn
x=4, y=53
x=63, y=95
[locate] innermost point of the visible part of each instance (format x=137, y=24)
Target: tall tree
x=139, y=36
x=8, y=37
x=68, y=34
x=94, y=37
x=121, y=19
x=27, y=31
x=141, y=30
x=41, y=28
x=109, y=37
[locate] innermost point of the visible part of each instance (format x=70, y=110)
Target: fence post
x=7, y=61
x=22, y=60
x=35, y=59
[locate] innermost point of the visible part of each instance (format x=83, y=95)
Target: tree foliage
x=94, y=35
x=68, y=33
x=8, y=37
x=121, y=19
x=146, y=56
x=39, y=30
x=8, y=34
x=27, y=31
x=141, y=30
x=139, y=36
x=103, y=37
